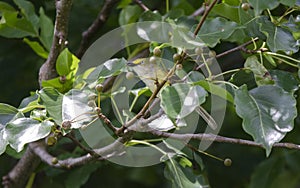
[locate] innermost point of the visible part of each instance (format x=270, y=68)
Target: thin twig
x=199, y=11
x=221, y=139
x=95, y=27
x=240, y=47
x=90, y=151
x=142, y=5
x=203, y=18
x=107, y=122
x=114, y=149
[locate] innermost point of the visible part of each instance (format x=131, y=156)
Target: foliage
x=260, y=89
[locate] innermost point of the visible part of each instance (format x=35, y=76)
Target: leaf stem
x=225, y=82
x=226, y=72
x=148, y=144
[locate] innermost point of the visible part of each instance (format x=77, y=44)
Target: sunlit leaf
x=66, y=63
x=179, y=100
x=11, y=26
x=25, y=130
x=52, y=100
x=215, y=89
x=267, y=118
x=75, y=107
x=110, y=68
x=37, y=48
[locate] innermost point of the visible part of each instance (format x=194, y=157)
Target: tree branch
x=142, y=5
x=221, y=139
x=96, y=25
x=114, y=149
x=18, y=176
x=203, y=18
x=47, y=70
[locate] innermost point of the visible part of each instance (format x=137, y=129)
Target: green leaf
x=278, y=39
x=110, y=68
x=25, y=130
x=75, y=107
x=227, y=11
x=259, y=5
x=124, y=3
x=163, y=123
x=179, y=100
x=243, y=77
x=7, y=114
x=129, y=14
x=285, y=80
x=215, y=89
x=261, y=74
x=267, y=118
x=5, y=7
x=11, y=26
x=60, y=86
x=52, y=100
x=215, y=30
x=47, y=29
x=37, y=48
x=150, y=16
x=178, y=176
x=66, y=63
x=28, y=11
x=79, y=176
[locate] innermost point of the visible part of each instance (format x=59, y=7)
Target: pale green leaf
x=215, y=89
x=110, y=68
x=66, y=63
x=37, y=48
x=179, y=100
x=25, y=130
x=52, y=100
